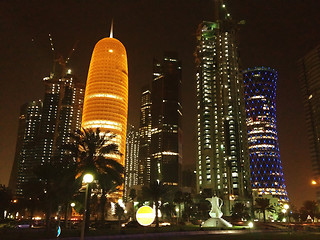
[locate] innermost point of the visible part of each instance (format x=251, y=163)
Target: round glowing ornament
x=145, y=215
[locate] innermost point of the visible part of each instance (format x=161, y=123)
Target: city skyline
x=277, y=41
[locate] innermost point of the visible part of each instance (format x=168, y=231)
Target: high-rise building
x=144, y=137
x=222, y=154
x=131, y=160
x=106, y=96
x=61, y=116
x=309, y=68
x=265, y=164
x=166, y=114
x=24, y=162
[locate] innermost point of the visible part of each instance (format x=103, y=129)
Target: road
x=218, y=234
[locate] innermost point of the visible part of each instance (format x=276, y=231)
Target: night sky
x=276, y=34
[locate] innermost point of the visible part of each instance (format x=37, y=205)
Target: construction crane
x=58, y=58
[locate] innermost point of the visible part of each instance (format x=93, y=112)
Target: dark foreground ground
x=222, y=235
x=174, y=233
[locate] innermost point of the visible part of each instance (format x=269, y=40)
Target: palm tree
x=187, y=202
x=119, y=213
x=91, y=152
x=108, y=184
x=155, y=192
x=310, y=208
x=5, y=199
x=169, y=210
x=132, y=194
x=56, y=186
x=178, y=199
x=263, y=205
x=239, y=211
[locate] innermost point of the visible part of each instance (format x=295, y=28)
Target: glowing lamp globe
x=88, y=178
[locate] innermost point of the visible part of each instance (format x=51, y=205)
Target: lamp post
x=87, y=179
x=286, y=207
x=285, y=210
x=72, y=205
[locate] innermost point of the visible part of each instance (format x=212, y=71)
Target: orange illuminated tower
x=106, y=96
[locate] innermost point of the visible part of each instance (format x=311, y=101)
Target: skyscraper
x=309, y=68
x=166, y=114
x=222, y=164
x=144, y=137
x=61, y=116
x=131, y=161
x=106, y=95
x=24, y=162
x=265, y=164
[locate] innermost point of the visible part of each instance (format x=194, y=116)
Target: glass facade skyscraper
x=144, y=137
x=24, y=162
x=166, y=114
x=309, y=75
x=222, y=155
x=265, y=164
x=61, y=116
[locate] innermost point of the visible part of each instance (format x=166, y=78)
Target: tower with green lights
x=222, y=151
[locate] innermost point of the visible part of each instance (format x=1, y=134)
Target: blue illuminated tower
x=260, y=99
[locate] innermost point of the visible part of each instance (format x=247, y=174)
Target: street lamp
x=87, y=179
x=68, y=222
x=286, y=207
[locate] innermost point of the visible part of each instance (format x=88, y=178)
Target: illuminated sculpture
x=215, y=213
x=106, y=96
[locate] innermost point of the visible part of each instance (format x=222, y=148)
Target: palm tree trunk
x=264, y=215
x=48, y=216
x=66, y=215
x=157, y=217
x=102, y=205
x=88, y=209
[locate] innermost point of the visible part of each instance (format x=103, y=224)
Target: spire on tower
x=111, y=29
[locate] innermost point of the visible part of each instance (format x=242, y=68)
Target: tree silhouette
x=309, y=208
x=155, y=192
x=92, y=153
x=5, y=199
x=263, y=205
x=119, y=213
x=239, y=211
x=178, y=199
x=169, y=210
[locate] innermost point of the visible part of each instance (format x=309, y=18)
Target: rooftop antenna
x=111, y=29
